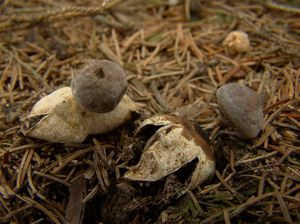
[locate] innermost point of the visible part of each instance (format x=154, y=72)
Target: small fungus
x=237, y=42
x=96, y=103
x=243, y=107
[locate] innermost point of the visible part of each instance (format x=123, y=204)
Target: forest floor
x=175, y=61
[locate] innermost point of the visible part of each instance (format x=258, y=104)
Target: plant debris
x=173, y=56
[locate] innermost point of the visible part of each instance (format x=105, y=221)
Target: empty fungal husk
x=174, y=144
x=58, y=118
x=243, y=107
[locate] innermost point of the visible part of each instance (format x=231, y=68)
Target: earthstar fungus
x=243, y=107
x=96, y=103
